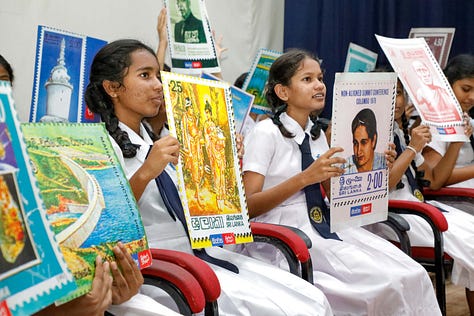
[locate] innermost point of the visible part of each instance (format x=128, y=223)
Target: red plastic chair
x=433, y=259
x=460, y=198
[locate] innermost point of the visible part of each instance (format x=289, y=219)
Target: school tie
x=415, y=188
x=317, y=210
x=169, y=194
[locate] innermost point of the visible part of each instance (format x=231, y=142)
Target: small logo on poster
x=228, y=238
x=144, y=258
x=446, y=130
x=361, y=209
x=4, y=310
x=197, y=64
x=217, y=240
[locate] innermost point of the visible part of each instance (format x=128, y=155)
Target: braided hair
x=111, y=63
x=281, y=72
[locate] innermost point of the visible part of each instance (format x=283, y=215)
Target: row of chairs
x=194, y=287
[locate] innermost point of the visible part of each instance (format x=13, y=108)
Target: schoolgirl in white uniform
x=124, y=89
x=460, y=73
x=459, y=238
x=361, y=275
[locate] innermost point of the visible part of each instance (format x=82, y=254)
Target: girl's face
x=4, y=75
x=306, y=90
x=400, y=102
x=141, y=94
x=464, y=91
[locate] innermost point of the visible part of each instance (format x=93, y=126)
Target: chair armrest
x=178, y=283
x=292, y=242
x=400, y=226
x=449, y=192
x=430, y=213
x=200, y=270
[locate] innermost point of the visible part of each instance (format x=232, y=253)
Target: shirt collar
x=294, y=128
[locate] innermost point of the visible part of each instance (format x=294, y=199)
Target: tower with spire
x=58, y=88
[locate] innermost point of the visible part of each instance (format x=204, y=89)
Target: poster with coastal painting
x=200, y=116
x=359, y=59
x=89, y=202
x=191, y=44
x=62, y=64
x=257, y=79
x=362, y=120
x=439, y=40
x=33, y=273
x=241, y=103
x=426, y=85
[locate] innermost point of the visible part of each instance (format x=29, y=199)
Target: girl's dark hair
x=112, y=63
x=239, y=82
x=366, y=118
x=459, y=67
x=281, y=72
x=8, y=67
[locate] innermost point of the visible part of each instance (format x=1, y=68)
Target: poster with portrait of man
x=427, y=86
x=210, y=185
x=439, y=40
x=191, y=44
x=362, y=120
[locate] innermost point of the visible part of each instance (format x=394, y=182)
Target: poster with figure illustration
x=362, y=120
x=210, y=185
x=439, y=40
x=427, y=86
x=191, y=43
x=89, y=203
x=62, y=64
x=33, y=273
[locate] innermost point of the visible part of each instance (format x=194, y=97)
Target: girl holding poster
x=360, y=273
x=125, y=88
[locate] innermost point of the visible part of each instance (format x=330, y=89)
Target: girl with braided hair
x=125, y=88
x=360, y=273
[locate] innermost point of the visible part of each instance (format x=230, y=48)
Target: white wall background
x=246, y=26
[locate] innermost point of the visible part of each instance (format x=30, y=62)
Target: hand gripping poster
x=33, y=273
x=426, y=85
x=191, y=44
x=62, y=64
x=362, y=120
x=200, y=116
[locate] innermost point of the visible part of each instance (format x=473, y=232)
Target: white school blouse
x=362, y=275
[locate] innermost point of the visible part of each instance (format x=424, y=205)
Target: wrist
x=411, y=148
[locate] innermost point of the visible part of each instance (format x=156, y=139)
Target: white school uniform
x=458, y=239
x=361, y=275
x=259, y=288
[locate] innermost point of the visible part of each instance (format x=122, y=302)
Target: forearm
x=442, y=172
x=399, y=167
x=139, y=181
x=460, y=175
x=261, y=202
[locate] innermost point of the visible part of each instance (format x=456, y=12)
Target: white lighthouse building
x=58, y=88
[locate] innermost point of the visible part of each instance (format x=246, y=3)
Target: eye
x=307, y=79
x=145, y=75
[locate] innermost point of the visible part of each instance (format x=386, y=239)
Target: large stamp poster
x=62, y=64
x=362, y=121
x=88, y=200
x=191, y=44
x=439, y=40
x=359, y=59
x=33, y=273
x=257, y=79
x=426, y=85
x=200, y=116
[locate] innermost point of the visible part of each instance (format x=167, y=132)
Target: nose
x=157, y=85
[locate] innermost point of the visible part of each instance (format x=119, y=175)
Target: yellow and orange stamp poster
x=200, y=116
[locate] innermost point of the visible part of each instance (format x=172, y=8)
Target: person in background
x=460, y=73
x=359, y=272
x=6, y=71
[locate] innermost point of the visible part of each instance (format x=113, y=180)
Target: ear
x=111, y=88
x=281, y=91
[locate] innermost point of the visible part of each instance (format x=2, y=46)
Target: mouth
x=318, y=95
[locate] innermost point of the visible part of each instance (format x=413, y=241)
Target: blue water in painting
x=117, y=221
